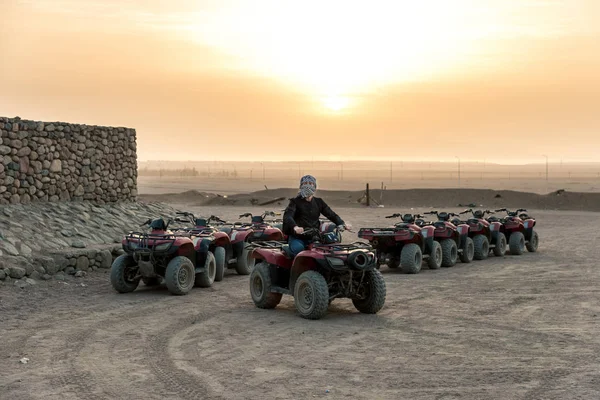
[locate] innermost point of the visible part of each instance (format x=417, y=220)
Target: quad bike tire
x=376, y=291
x=466, y=256
x=245, y=263
x=394, y=263
x=482, y=247
x=311, y=295
x=118, y=274
x=207, y=277
x=533, y=243
x=179, y=275
x=154, y=281
x=434, y=261
x=450, y=253
x=500, y=248
x=516, y=243
x=260, y=287
x=220, y=263
x=411, y=258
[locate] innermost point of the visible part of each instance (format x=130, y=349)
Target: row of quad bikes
x=326, y=270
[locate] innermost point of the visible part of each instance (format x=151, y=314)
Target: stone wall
x=56, y=161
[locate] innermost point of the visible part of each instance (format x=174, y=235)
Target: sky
x=502, y=80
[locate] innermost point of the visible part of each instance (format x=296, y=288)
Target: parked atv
x=180, y=260
x=454, y=239
x=404, y=244
x=487, y=235
x=262, y=229
x=211, y=239
x=519, y=230
x=316, y=276
x=235, y=254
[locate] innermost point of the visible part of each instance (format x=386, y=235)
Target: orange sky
x=505, y=80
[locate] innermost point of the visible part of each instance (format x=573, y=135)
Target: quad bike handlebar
x=475, y=212
x=150, y=222
x=511, y=213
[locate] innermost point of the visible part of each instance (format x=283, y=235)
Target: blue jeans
x=297, y=245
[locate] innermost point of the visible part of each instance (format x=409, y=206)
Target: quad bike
x=404, y=244
x=454, y=239
x=487, y=235
x=236, y=256
x=316, y=276
x=262, y=229
x=180, y=260
x=518, y=226
x=210, y=239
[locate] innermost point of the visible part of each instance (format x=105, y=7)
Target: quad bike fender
x=273, y=257
x=428, y=231
x=201, y=261
x=221, y=239
x=187, y=250
x=463, y=234
x=301, y=265
x=203, y=244
x=529, y=223
x=428, y=244
x=273, y=234
x=241, y=235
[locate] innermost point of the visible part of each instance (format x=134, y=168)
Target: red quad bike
x=316, y=276
x=209, y=238
x=519, y=230
x=487, y=235
x=149, y=256
x=404, y=244
x=262, y=229
x=454, y=239
x=236, y=255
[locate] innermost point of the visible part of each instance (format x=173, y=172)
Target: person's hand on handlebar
x=298, y=230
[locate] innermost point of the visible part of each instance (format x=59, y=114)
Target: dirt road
x=521, y=327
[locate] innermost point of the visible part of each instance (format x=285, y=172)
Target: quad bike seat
x=226, y=230
x=439, y=224
x=473, y=221
x=456, y=221
x=402, y=225
x=493, y=219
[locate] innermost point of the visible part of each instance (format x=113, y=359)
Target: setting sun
x=335, y=103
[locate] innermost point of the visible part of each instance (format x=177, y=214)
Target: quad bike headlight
x=162, y=247
x=335, y=262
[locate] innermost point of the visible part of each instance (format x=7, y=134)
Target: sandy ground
x=517, y=327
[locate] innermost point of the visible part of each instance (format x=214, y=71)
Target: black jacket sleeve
x=288, y=218
x=329, y=214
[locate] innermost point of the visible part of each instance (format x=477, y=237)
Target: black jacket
x=306, y=214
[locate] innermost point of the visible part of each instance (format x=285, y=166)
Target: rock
x=10, y=249
x=83, y=263
x=106, y=259
x=56, y=166
x=35, y=275
x=46, y=277
x=21, y=284
x=60, y=276
x=50, y=264
x=80, y=274
x=70, y=270
x=4, y=150
x=78, y=244
x=17, y=272
x=67, y=233
x=30, y=281
x=39, y=268
x=24, y=151
x=50, y=128
x=25, y=250
x=2, y=275
x=15, y=199
x=80, y=191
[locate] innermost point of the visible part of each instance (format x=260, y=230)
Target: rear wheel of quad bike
x=532, y=245
x=516, y=243
x=482, y=247
x=205, y=279
x=260, y=287
x=220, y=263
x=179, y=275
x=411, y=258
x=374, y=290
x=154, y=281
x=436, y=256
x=123, y=274
x=466, y=256
x=311, y=295
x=393, y=263
x=450, y=251
x=500, y=247
x=245, y=262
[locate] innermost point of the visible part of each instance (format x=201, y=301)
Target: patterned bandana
x=308, y=186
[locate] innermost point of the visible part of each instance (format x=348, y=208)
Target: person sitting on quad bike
x=303, y=212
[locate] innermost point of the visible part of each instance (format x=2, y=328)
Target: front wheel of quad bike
x=436, y=256
x=220, y=263
x=450, y=251
x=482, y=247
x=411, y=258
x=205, y=279
x=245, y=262
x=260, y=287
x=466, y=256
x=500, y=247
x=532, y=245
x=516, y=243
x=179, y=275
x=123, y=274
x=311, y=295
x=375, y=291
x=154, y=281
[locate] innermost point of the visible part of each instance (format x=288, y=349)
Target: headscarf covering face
x=308, y=186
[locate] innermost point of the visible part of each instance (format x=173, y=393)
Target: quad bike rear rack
x=384, y=231
x=142, y=240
